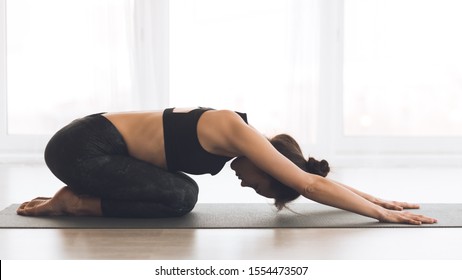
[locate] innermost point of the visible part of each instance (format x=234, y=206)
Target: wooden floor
x=425, y=185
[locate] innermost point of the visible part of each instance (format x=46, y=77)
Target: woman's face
x=251, y=176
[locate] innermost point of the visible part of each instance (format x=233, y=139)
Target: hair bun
x=320, y=168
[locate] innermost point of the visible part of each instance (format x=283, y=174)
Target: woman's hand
x=347, y=198
x=393, y=205
x=394, y=213
x=403, y=217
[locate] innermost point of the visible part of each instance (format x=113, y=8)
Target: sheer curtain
x=304, y=107
x=68, y=58
x=63, y=59
x=256, y=56
x=150, y=50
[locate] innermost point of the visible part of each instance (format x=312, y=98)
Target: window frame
x=375, y=150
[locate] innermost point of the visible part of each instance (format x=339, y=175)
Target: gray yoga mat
x=309, y=215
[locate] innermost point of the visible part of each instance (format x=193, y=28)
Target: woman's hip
x=82, y=139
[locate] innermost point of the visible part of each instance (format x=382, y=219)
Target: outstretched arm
x=241, y=139
x=388, y=204
x=331, y=193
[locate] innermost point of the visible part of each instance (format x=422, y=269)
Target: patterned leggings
x=91, y=157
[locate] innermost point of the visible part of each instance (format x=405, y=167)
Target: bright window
x=253, y=56
x=375, y=77
x=65, y=59
x=402, y=68
x=231, y=54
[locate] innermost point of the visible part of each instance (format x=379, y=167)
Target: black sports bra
x=183, y=151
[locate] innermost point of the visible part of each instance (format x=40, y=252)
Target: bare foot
x=64, y=202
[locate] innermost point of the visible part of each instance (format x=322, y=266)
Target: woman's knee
x=183, y=208
x=54, y=153
x=188, y=199
x=64, y=159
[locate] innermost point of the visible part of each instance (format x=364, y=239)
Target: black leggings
x=91, y=157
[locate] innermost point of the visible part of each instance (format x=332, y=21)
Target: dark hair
x=288, y=147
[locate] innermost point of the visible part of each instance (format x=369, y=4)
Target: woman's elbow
x=313, y=186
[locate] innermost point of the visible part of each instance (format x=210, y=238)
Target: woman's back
x=143, y=133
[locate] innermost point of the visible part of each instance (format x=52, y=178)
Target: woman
x=132, y=164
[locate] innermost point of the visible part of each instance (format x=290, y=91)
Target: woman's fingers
x=408, y=218
x=406, y=205
x=397, y=205
x=426, y=220
x=393, y=206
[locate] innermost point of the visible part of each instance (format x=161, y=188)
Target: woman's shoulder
x=227, y=115
x=217, y=130
x=224, y=119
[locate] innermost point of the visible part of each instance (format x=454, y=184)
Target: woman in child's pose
x=132, y=164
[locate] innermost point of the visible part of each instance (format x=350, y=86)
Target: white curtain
x=303, y=54
x=256, y=56
x=150, y=50
x=68, y=58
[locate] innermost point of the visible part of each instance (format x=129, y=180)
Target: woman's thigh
x=68, y=151
x=134, y=188
x=126, y=178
